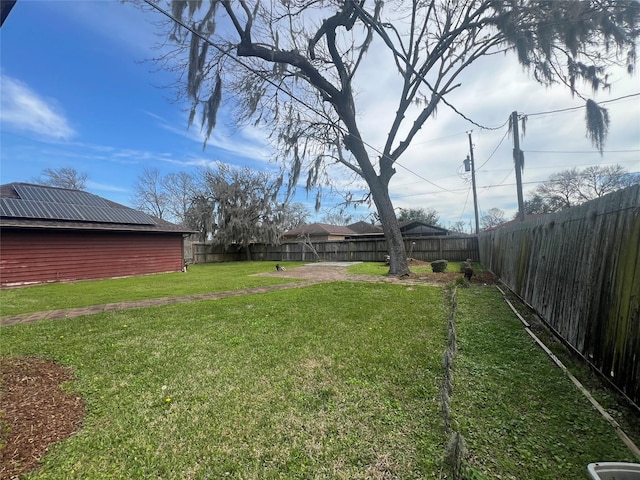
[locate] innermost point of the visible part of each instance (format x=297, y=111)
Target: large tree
x=199, y=216
x=294, y=68
x=245, y=205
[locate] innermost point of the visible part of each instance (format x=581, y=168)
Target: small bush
x=439, y=266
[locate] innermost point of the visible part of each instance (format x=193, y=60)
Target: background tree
x=294, y=69
x=535, y=206
x=492, y=218
x=459, y=227
x=169, y=197
x=245, y=205
x=64, y=177
x=294, y=215
x=179, y=189
x=428, y=216
x=572, y=187
x=149, y=195
x=340, y=217
x=199, y=216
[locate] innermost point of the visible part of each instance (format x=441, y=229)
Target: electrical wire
x=581, y=151
x=569, y=109
x=285, y=91
x=345, y=132
x=494, y=150
x=466, y=200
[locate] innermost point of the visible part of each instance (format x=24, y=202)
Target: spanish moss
x=597, y=124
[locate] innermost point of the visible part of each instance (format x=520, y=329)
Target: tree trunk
x=379, y=187
x=395, y=245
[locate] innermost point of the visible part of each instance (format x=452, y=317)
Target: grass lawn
x=337, y=380
x=331, y=381
x=201, y=278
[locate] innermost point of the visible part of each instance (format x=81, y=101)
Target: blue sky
x=76, y=92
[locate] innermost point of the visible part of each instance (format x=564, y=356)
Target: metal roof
x=38, y=206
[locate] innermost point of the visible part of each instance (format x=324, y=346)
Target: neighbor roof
x=37, y=206
x=365, y=228
x=316, y=229
x=423, y=227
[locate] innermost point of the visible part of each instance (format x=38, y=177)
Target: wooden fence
x=580, y=270
x=452, y=248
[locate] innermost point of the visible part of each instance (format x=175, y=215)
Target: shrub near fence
x=580, y=269
x=452, y=248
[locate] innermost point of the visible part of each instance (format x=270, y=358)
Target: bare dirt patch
x=331, y=273
x=35, y=411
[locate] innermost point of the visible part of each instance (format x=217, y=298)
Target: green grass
x=336, y=380
x=202, y=278
x=520, y=415
x=330, y=381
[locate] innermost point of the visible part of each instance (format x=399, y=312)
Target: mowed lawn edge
x=521, y=416
x=334, y=381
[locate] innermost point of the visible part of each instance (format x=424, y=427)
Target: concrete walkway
x=151, y=302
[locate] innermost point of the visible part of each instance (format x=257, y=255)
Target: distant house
x=317, y=232
x=366, y=228
x=55, y=234
x=421, y=229
x=320, y=232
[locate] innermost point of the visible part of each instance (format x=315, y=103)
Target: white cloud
x=490, y=91
x=25, y=110
x=246, y=142
x=103, y=187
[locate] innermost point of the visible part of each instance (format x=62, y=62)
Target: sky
x=78, y=90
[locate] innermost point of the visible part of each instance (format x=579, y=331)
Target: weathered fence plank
x=580, y=269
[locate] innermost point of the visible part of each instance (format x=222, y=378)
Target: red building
x=52, y=234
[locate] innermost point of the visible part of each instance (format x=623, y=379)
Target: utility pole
x=473, y=184
x=518, y=162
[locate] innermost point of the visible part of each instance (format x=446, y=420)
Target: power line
x=280, y=88
x=581, y=151
x=423, y=178
x=331, y=121
x=439, y=138
x=465, y=203
x=494, y=150
x=569, y=109
x=567, y=165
